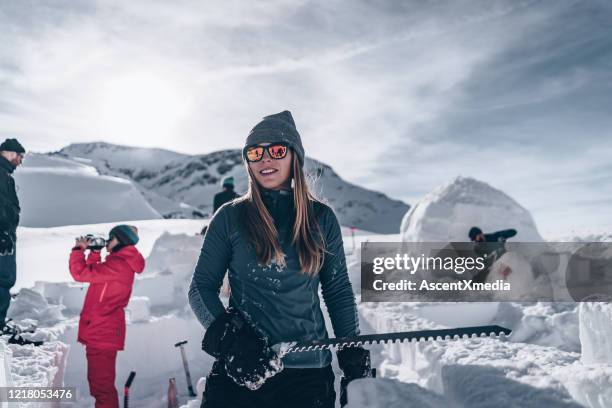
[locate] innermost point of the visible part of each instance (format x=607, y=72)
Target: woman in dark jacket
x=277, y=243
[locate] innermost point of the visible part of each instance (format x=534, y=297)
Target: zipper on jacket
x=103, y=291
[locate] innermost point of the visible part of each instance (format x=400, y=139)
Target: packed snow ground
x=559, y=354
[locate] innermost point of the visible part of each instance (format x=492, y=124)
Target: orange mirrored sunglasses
x=276, y=151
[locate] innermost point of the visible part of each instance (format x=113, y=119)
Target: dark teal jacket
x=283, y=303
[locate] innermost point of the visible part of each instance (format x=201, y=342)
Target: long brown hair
x=307, y=236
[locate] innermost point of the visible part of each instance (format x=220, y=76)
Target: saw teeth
x=500, y=335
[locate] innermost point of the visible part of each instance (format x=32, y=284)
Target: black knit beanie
x=474, y=232
x=11, y=145
x=279, y=127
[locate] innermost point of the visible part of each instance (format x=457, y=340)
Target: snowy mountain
x=448, y=213
x=121, y=157
x=54, y=191
x=182, y=186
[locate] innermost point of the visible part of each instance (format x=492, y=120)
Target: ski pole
x=126, y=389
x=181, y=344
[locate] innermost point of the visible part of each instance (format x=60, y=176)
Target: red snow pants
x=101, y=377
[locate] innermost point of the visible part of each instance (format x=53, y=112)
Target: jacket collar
x=6, y=165
x=276, y=193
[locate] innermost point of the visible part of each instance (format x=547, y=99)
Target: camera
x=96, y=242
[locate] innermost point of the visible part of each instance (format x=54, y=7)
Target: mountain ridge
x=183, y=186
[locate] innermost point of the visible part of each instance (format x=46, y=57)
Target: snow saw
x=399, y=337
x=383, y=338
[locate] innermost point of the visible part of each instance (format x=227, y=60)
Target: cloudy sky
x=398, y=96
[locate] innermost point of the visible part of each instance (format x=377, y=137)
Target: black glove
x=244, y=353
x=354, y=363
x=7, y=245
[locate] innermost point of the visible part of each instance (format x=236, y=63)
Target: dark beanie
x=279, y=127
x=125, y=234
x=474, y=231
x=228, y=182
x=12, y=145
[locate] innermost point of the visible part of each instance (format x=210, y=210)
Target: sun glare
x=143, y=109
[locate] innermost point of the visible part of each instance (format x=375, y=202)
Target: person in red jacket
x=102, y=323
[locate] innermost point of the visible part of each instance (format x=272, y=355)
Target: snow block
x=6, y=379
x=590, y=385
x=388, y=393
x=30, y=304
x=139, y=309
x=69, y=294
x=42, y=366
x=477, y=386
x=159, y=288
x=466, y=371
x=177, y=253
x=596, y=332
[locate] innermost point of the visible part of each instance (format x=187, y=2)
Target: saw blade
x=399, y=337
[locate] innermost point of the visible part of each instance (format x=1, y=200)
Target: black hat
x=12, y=145
x=228, y=182
x=125, y=234
x=474, y=231
x=279, y=127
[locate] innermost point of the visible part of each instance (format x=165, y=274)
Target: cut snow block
x=177, y=253
x=478, y=386
x=139, y=309
x=590, y=385
x=158, y=288
x=30, y=304
x=596, y=332
x=43, y=366
x=69, y=294
x=388, y=393
x=6, y=379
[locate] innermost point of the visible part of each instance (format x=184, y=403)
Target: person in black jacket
x=476, y=235
x=228, y=194
x=278, y=245
x=492, y=245
x=11, y=156
x=225, y=196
